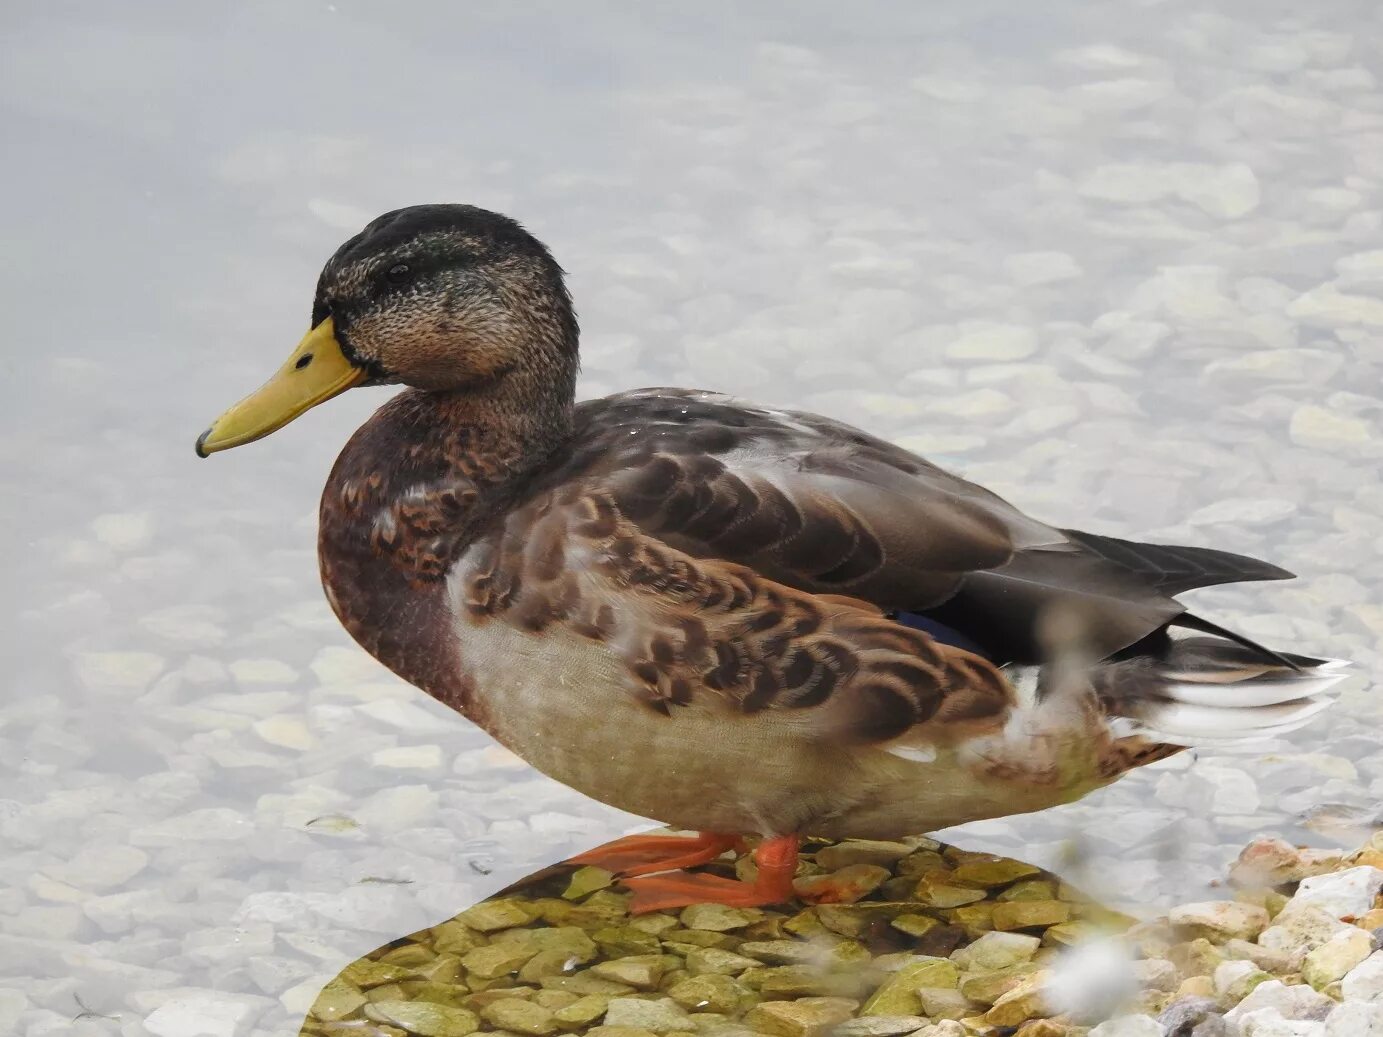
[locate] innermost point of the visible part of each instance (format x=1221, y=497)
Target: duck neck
x=413, y=489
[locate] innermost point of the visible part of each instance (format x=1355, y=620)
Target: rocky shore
x=935, y=942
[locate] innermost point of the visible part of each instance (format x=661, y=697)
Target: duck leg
x=777, y=863
x=645, y=854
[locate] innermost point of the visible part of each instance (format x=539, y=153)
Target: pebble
x=201, y=1015
x=1272, y=861
x=1301, y=931
x=898, y=994
x=520, y=1016
x=1345, y=895
x=409, y=758
x=1181, y=1017
x=262, y=671
x=1222, y=919
x=124, y=531
x=1292, y=1002
x=425, y=1018
x=997, y=950
x=880, y=1026
x=100, y=866
x=810, y=1017
x=1336, y=957
x=407, y=717
x=661, y=1016
x=118, y=672
x=1035, y=268
x=1129, y=1026
x=718, y=918
x=286, y=732
x=993, y=343
x=1322, y=428
x=1364, y=982
x=1269, y=1022
x=1355, y=1019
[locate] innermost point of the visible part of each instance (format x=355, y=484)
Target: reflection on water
x=926, y=932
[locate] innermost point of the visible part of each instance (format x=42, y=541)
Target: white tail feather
x=1210, y=695
x=1266, y=691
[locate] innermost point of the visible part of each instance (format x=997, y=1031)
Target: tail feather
x=1210, y=691
x=1173, y=569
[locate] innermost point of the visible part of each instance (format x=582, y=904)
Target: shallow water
x=1122, y=263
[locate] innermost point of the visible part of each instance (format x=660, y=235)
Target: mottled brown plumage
x=725, y=616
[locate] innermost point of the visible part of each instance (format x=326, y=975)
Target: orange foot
x=645, y=854
x=777, y=863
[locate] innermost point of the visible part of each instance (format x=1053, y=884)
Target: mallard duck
x=736, y=619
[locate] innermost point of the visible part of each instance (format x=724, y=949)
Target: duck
x=753, y=624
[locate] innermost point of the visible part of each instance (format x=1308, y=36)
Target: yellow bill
x=317, y=371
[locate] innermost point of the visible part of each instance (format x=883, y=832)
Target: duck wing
x=823, y=507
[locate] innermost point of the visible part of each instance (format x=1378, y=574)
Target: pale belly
x=567, y=705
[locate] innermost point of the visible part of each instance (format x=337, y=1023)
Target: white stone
x=337, y=665
x=1222, y=919
x=100, y=866
x=408, y=757
x=286, y=731
x=1034, y=268
x=1191, y=293
x=1155, y=974
x=214, y=824
x=403, y=806
x=1364, y=982
x=1294, y=1002
x=300, y=997
x=997, y=950
x=1230, y=972
x=262, y=671
x=1117, y=95
x=1235, y=791
x=187, y=624
x=118, y=671
x=12, y=1004
x=1225, y=192
x=124, y=531
x=46, y=922
x=1101, y=57
x=993, y=342
x=1329, y=306
x=205, y=1015
x=1245, y=511
x=1346, y=895
x=373, y=906
x=410, y=717
x=1129, y=1026
x=1316, y=426
x=1336, y=957
x=1128, y=182
x=1361, y=268
x=216, y=944
x=1269, y=1022
x=1355, y=1019
x=945, y=1028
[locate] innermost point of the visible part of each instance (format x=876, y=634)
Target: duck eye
x=397, y=274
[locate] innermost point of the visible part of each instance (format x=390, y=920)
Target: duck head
x=445, y=298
